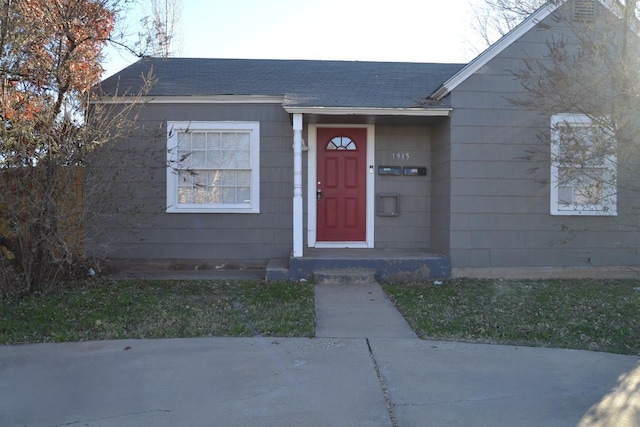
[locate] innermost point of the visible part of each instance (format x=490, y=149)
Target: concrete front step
x=398, y=266
x=344, y=276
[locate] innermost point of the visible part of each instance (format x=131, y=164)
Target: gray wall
x=441, y=188
x=404, y=146
x=500, y=200
x=135, y=225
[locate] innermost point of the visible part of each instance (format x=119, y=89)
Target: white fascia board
x=346, y=111
x=213, y=99
x=495, y=49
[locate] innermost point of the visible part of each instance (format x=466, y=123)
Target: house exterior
x=416, y=170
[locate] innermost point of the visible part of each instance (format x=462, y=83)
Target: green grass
x=599, y=315
x=102, y=309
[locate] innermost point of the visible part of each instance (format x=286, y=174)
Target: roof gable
x=494, y=50
x=507, y=40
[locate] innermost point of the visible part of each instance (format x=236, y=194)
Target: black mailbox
x=389, y=170
x=414, y=171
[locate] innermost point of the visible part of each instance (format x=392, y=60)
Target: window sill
x=584, y=213
x=187, y=210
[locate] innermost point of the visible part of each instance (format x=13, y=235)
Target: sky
x=351, y=30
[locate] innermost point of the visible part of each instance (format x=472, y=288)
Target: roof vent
x=584, y=10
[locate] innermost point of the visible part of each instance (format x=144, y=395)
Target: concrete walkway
x=357, y=311
x=348, y=377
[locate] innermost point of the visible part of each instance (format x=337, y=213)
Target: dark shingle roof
x=305, y=83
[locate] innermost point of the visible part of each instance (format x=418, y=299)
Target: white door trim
x=312, y=179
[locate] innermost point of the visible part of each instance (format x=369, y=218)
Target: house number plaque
x=400, y=156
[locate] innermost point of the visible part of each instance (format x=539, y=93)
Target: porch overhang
x=369, y=111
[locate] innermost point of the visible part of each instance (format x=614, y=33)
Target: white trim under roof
x=344, y=111
x=495, y=49
x=210, y=99
x=262, y=99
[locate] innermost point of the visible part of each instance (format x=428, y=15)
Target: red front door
x=342, y=190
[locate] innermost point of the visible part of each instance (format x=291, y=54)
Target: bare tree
x=159, y=29
x=50, y=52
x=495, y=18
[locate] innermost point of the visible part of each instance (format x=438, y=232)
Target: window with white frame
x=213, y=167
x=583, y=167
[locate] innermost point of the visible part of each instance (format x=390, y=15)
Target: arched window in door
x=341, y=143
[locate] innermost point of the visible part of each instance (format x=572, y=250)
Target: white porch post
x=297, y=185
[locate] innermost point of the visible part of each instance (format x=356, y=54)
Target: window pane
x=244, y=195
x=228, y=159
x=184, y=159
x=229, y=195
x=214, y=194
x=198, y=159
x=184, y=178
x=213, y=140
x=199, y=178
x=184, y=141
x=228, y=141
x=214, y=159
x=228, y=178
x=244, y=178
x=243, y=159
x=213, y=178
x=565, y=195
x=244, y=141
x=185, y=194
x=198, y=141
x=191, y=177
x=200, y=195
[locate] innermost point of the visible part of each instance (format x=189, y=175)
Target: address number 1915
x=400, y=156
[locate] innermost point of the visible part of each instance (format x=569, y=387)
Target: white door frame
x=312, y=180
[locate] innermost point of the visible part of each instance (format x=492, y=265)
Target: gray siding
x=499, y=197
x=441, y=188
x=404, y=146
x=138, y=226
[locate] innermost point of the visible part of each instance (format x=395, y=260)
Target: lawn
x=599, y=315
x=102, y=309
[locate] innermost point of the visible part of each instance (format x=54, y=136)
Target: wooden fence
x=23, y=191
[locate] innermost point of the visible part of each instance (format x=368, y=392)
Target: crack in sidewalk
x=385, y=391
x=71, y=423
x=457, y=401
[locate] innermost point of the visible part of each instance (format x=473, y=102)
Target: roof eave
x=370, y=111
x=200, y=99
